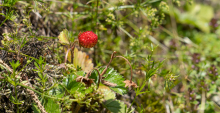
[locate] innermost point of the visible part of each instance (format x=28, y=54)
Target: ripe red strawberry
x=87, y=39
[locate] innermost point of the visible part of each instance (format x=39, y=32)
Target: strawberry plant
x=85, y=90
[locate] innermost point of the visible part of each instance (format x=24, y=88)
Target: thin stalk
x=112, y=56
x=72, y=53
x=132, y=103
x=66, y=56
x=129, y=65
x=100, y=77
x=16, y=96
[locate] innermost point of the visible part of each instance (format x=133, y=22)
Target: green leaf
x=70, y=84
x=74, y=87
x=80, y=73
x=57, y=91
x=52, y=106
x=115, y=106
x=113, y=77
x=63, y=37
x=35, y=108
x=14, y=65
x=108, y=94
x=10, y=81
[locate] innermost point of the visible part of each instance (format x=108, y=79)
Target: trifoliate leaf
x=63, y=37
x=115, y=106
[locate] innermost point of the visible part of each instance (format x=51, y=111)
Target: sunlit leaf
x=81, y=59
x=63, y=37
x=108, y=94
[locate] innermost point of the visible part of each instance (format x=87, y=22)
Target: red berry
x=87, y=39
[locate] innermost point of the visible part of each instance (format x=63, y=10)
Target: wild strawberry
x=87, y=39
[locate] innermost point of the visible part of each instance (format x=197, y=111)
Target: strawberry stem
x=66, y=55
x=112, y=56
x=100, y=77
x=129, y=65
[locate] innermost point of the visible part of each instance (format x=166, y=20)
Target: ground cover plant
x=120, y=56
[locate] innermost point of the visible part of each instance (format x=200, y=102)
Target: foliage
x=151, y=56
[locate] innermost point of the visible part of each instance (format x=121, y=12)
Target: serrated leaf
x=70, y=84
x=108, y=94
x=52, y=106
x=113, y=77
x=81, y=59
x=63, y=39
x=75, y=87
x=115, y=106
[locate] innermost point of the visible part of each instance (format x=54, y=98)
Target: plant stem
x=112, y=56
x=66, y=56
x=132, y=103
x=77, y=108
x=100, y=77
x=16, y=97
x=129, y=65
